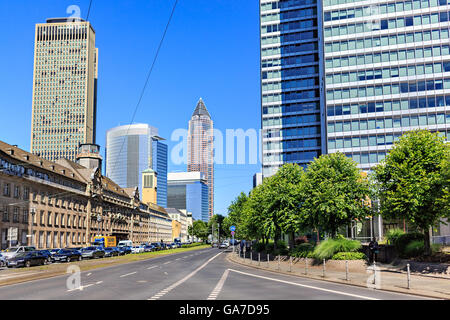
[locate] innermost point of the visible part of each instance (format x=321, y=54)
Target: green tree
x=413, y=181
x=236, y=215
x=200, y=229
x=335, y=193
x=216, y=224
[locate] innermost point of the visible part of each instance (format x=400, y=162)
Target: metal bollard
x=279, y=258
x=259, y=259
x=251, y=257
x=323, y=268
x=346, y=270
x=268, y=258
x=290, y=264
x=374, y=273
x=306, y=266
x=409, y=276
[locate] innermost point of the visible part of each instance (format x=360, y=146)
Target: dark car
x=27, y=259
x=54, y=251
x=111, y=252
x=149, y=248
x=47, y=254
x=157, y=246
x=67, y=255
x=92, y=253
x=125, y=249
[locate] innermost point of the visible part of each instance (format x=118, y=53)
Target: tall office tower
x=201, y=149
x=293, y=107
x=387, y=72
x=64, y=88
x=132, y=149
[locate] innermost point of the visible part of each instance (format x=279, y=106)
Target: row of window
x=388, y=106
x=291, y=156
x=291, y=37
x=285, y=4
x=398, y=6
x=391, y=40
x=6, y=217
x=388, y=56
x=289, y=26
x=278, y=62
x=389, y=123
x=417, y=4
x=388, y=89
x=384, y=24
x=291, y=84
x=291, y=132
x=292, y=107
x=289, y=96
x=291, y=72
x=290, y=49
x=291, y=120
x=386, y=73
x=292, y=144
x=291, y=14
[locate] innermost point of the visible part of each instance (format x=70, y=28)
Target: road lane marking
x=167, y=262
x=98, y=282
x=149, y=268
x=176, y=284
x=128, y=274
x=213, y=295
x=305, y=286
x=81, y=288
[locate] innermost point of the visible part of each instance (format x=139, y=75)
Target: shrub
x=393, y=235
x=259, y=247
x=301, y=239
x=326, y=249
x=195, y=244
x=404, y=240
x=281, y=248
x=349, y=256
x=414, y=249
x=302, y=250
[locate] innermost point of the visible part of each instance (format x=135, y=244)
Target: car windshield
x=13, y=249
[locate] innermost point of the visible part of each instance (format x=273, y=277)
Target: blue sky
x=211, y=51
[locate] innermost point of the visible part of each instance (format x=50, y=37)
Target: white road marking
x=305, y=286
x=81, y=288
x=152, y=267
x=176, y=284
x=219, y=286
x=128, y=274
x=89, y=274
x=167, y=262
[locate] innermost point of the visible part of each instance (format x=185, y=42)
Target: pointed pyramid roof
x=201, y=109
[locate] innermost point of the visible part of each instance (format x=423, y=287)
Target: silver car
x=3, y=262
x=14, y=251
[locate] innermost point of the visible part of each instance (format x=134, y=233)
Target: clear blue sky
x=211, y=51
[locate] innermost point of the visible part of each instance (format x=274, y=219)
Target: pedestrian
x=374, y=249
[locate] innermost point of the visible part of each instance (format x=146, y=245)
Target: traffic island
x=356, y=273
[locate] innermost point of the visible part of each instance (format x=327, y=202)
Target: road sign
x=232, y=228
x=232, y=233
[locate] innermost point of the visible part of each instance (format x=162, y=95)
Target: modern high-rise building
x=189, y=191
x=201, y=149
x=387, y=72
x=293, y=105
x=64, y=88
x=132, y=149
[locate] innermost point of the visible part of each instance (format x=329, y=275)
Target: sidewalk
x=382, y=279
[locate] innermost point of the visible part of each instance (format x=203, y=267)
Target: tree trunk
x=427, y=242
x=292, y=240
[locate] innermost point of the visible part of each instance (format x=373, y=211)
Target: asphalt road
x=195, y=275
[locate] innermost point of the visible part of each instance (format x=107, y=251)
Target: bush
x=414, y=249
x=302, y=250
x=195, y=244
x=281, y=248
x=393, y=235
x=404, y=240
x=301, y=239
x=326, y=249
x=349, y=256
x=259, y=247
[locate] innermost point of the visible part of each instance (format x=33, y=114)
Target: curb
x=388, y=289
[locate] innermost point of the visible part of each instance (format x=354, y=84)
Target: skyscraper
x=293, y=105
x=387, y=72
x=132, y=149
x=64, y=88
x=201, y=149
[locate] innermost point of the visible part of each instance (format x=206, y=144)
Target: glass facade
x=132, y=149
x=293, y=117
x=387, y=72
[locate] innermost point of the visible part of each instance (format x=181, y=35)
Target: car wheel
x=68, y=259
x=28, y=264
x=79, y=258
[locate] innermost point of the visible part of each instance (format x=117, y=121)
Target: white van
x=125, y=243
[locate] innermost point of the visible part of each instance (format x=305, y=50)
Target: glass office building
x=189, y=191
x=387, y=72
x=130, y=150
x=293, y=107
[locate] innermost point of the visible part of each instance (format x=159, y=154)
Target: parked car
x=54, y=251
x=47, y=254
x=149, y=248
x=2, y=261
x=215, y=244
x=125, y=249
x=67, y=255
x=223, y=245
x=157, y=246
x=27, y=259
x=125, y=243
x=92, y=253
x=13, y=251
x=137, y=249
x=111, y=252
